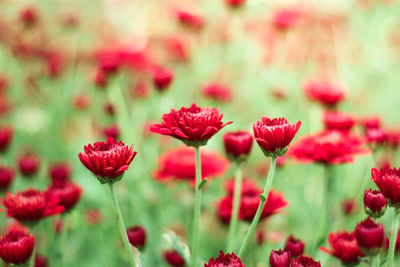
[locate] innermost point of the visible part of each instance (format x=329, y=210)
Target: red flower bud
x=60, y=171
x=388, y=181
x=28, y=164
x=238, y=145
x=41, y=261
x=228, y=260
x=295, y=246
x=137, y=236
x=374, y=203
x=16, y=247
x=348, y=206
x=162, y=78
x=334, y=120
x=29, y=16
x=6, y=136
x=304, y=261
x=173, y=258
x=7, y=175
x=370, y=236
x=280, y=258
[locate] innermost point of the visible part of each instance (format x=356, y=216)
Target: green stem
x=393, y=237
x=31, y=262
x=235, y=210
x=197, y=209
x=121, y=224
x=63, y=236
x=371, y=261
x=378, y=260
x=263, y=198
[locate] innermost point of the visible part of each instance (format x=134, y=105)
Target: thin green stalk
x=197, y=209
x=393, y=237
x=371, y=261
x=63, y=237
x=263, y=198
x=378, y=260
x=121, y=225
x=235, y=210
x=31, y=262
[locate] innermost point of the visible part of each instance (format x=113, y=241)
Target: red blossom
x=235, y=3
x=6, y=136
x=344, y=247
x=238, y=145
x=111, y=131
x=374, y=203
x=7, y=175
x=218, y=92
x=60, y=171
x=67, y=193
x=334, y=120
x=137, y=236
x=370, y=236
x=280, y=258
x=294, y=245
x=228, y=260
x=162, y=78
x=325, y=92
x=285, y=19
x=16, y=247
x=173, y=258
x=304, y=261
x=28, y=164
x=388, y=181
x=189, y=19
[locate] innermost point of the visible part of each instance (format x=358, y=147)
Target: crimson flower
x=388, y=181
x=137, y=236
x=325, y=92
x=194, y=125
x=16, y=246
x=190, y=20
x=235, y=3
x=7, y=175
x=29, y=16
x=328, y=147
x=274, y=135
x=67, y=193
x=228, y=260
x=173, y=258
x=28, y=164
x=375, y=137
x=295, y=246
x=393, y=137
x=41, y=261
x=31, y=205
x=218, y=92
x=374, y=203
x=6, y=135
x=370, y=236
x=177, y=49
x=162, y=78
x=285, y=19
x=238, y=145
x=60, y=171
x=107, y=161
x=304, y=261
x=280, y=258
x=339, y=121
x=344, y=247
x=111, y=131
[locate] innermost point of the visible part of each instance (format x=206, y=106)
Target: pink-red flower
x=294, y=245
x=285, y=19
x=388, y=181
x=228, y=260
x=6, y=136
x=66, y=192
x=7, y=175
x=374, y=203
x=194, y=125
x=238, y=145
x=325, y=92
x=274, y=135
x=375, y=137
x=137, y=236
x=162, y=78
x=344, y=247
x=335, y=120
x=217, y=91
x=280, y=258
x=107, y=161
x=111, y=131
x=60, y=171
x=304, y=261
x=28, y=164
x=189, y=19
x=16, y=247
x=370, y=236
x=173, y=258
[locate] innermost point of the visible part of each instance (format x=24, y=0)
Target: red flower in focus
x=179, y=164
x=374, y=203
x=173, y=258
x=29, y=16
x=228, y=260
x=218, y=92
x=294, y=245
x=325, y=92
x=285, y=19
x=388, y=181
x=41, y=261
x=190, y=20
x=111, y=131
x=28, y=164
x=31, y=205
x=7, y=175
x=370, y=236
x=193, y=125
x=274, y=135
x=235, y=3
x=280, y=258
x=238, y=145
x=107, y=161
x=137, y=236
x=328, y=147
x=344, y=247
x=334, y=120
x=66, y=192
x=162, y=78
x=348, y=206
x=16, y=247
x=60, y=171
x=304, y=261
x=6, y=135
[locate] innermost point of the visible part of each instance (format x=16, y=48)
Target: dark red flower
x=228, y=260
x=235, y=3
x=335, y=120
x=194, y=125
x=162, y=78
x=107, y=161
x=179, y=164
x=189, y=20
x=111, y=131
x=374, y=203
x=16, y=246
x=280, y=258
x=7, y=175
x=29, y=16
x=370, y=236
x=137, y=236
x=67, y=193
x=344, y=247
x=274, y=135
x=6, y=136
x=328, y=147
x=218, y=92
x=31, y=205
x=304, y=261
x=109, y=109
x=173, y=258
x=295, y=246
x=348, y=206
x=371, y=123
x=325, y=92
x=60, y=171
x=28, y=164
x=285, y=19
x=388, y=181
x=41, y=261
x=238, y=145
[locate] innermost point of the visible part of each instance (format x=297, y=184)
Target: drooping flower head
x=6, y=135
x=374, y=203
x=137, y=236
x=325, y=92
x=304, y=261
x=173, y=258
x=228, y=260
x=194, y=125
x=388, y=181
x=280, y=258
x=16, y=246
x=238, y=145
x=339, y=121
x=274, y=135
x=67, y=193
x=107, y=161
x=370, y=236
x=344, y=247
x=295, y=246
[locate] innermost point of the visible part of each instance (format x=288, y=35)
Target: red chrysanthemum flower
x=280, y=258
x=304, y=261
x=375, y=137
x=388, y=181
x=179, y=164
x=194, y=125
x=6, y=136
x=28, y=164
x=238, y=145
x=107, y=161
x=334, y=120
x=162, y=78
x=67, y=193
x=173, y=258
x=274, y=135
x=7, y=175
x=328, y=147
x=372, y=122
x=137, y=236
x=41, y=261
x=218, y=92
x=344, y=247
x=370, y=236
x=16, y=247
x=325, y=92
x=294, y=245
x=374, y=203
x=228, y=260
x=349, y=205
x=60, y=171
x=31, y=205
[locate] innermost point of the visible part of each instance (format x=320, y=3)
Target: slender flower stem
x=393, y=237
x=236, y=204
x=121, y=225
x=263, y=198
x=197, y=209
x=378, y=260
x=31, y=262
x=371, y=261
x=63, y=237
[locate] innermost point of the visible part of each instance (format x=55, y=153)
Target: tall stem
x=378, y=260
x=263, y=199
x=121, y=225
x=31, y=262
x=393, y=237
x=63, y=237
x=236, y=204
x=197, y=209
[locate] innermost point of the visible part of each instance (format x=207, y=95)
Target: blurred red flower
x=304, y=261
x=344, y=247
x=173, y=258
x=137, y=236
x=162, y=78
x=28, y=164
x=370, y=236
x=218, y=92
x=294, y=245
x=60, y=171
x=189, y=20
x=286, y=18
x=325, y=92
x=238, y=145
x=6, y=136
x=335, y=120
x=280, y=258
x=66, y=192
x=7, y=175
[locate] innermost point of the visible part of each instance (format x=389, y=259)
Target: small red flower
x=81, y=101
x=235, y=3
x=41, y=261
x=388, y=181
x=274, y=135
x=109, y=109
x=67, y=193
x=60, y=171
x=304, y=261
x=194, y=125
x=107, y=161
x=238, y=145
x=349, y=205
x=280, y=258
x=373, y=122
x=162, y=78
x=140, y=90
x=325, y=92
x=93, y=216
x=374, y=203
x=137, y=236
x=111, y=131
x=6, y=136
x=190, y=20
x=16, y=247
x=100, y=78
x=173, y=258
x=28, y=164
x=228, y=260
x=344, y=247
x=29, y=16
x=177, y=49
x=375, y=137
x=370, y=236
x=7, y=175
x=339, y=121
x=286, y=18
x=294, y=245
x=218, y=92
x=31, y=205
